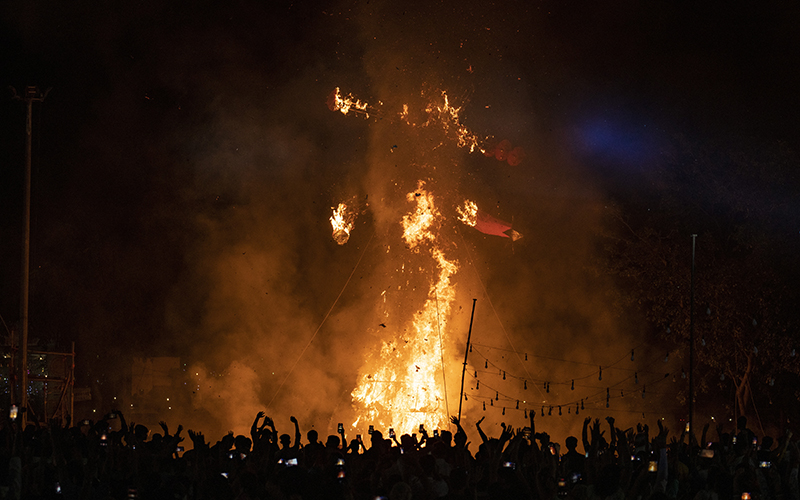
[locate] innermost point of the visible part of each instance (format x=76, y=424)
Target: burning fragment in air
x=342, y=221
x=471, y=215
x=346, y=103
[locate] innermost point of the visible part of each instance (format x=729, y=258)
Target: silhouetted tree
x=742, y=205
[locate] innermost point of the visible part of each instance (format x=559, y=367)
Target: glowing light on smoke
x=404, y=385
x=342, y=221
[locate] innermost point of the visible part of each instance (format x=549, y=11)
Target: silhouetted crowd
x=92, y=460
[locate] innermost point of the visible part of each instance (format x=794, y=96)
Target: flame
x=405, y=388
x=448, y=116
x=342, y=220
x=468, y=213
x=346, y=103
x=440, y=111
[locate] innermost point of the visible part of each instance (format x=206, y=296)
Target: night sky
x=185, y=164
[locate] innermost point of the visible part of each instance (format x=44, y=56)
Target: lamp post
x=31, y=95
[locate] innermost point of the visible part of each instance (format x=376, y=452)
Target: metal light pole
x=32, y=94
x=466, y=354
x=691, y=342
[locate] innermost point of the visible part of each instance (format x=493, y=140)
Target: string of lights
x=600, y=396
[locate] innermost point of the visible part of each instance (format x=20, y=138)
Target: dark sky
x=179, y=135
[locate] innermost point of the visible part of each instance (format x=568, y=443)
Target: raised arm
x=480, y=431
x=254, y=428
x=296, y=432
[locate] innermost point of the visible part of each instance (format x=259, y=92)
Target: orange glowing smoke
x=342, y=221
x=403, y=385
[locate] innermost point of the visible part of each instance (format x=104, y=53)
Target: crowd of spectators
x=91, y=460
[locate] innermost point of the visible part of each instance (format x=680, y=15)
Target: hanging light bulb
x=477, y=384
x=755, y=350
x=708, y=311
x=476, y=373
x=525, y=384
x=771, y=382
x=669, y=330
x=504, y=410
x=504, y=374
x=703, y=341
x=526, y=413
x=793, y=353
x=491, y=402
x=518, y=404
x=559, y=410
x=601, y=374
x=572, y=387
x=683, y=373
x=569, y=409
x=631, y=354
x=722, y=376
x=666, y=358
x=484, y=406
x=549, y=411
x=543, y=411
x=644, y=388
x=635, y=377
x=486, y=364
x=577, y=409
x=470, y=348
x=496, y=396
x=548, y=387
x=526, y=356
x=755, y=323
x=465, y=396
x=581, y=404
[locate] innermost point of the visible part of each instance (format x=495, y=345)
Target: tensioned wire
x=323, y=320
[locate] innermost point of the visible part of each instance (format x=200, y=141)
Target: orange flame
x=342, y=220
x=468, y=213
x=448, y=116
x=346, y=103
x=405, y=386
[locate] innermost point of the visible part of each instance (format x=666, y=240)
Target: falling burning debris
x=470, y=215
x=342, y=221
x=405, y=384
x=438, y=111
x=346, y=103
x=448, y=116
